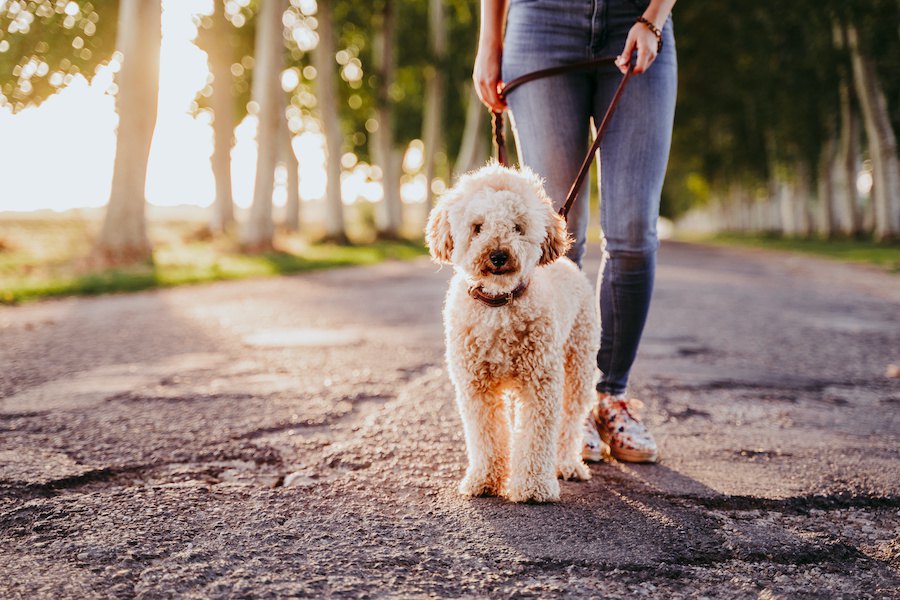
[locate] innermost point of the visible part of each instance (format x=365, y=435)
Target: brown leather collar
x=502, y=300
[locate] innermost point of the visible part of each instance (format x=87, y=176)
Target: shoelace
x=631, y=406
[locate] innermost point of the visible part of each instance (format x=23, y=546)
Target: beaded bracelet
x=649, y=24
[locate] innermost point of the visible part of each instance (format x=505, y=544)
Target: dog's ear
x=557, y=241
x=437, y=233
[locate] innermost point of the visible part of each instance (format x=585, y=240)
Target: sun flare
x=74, y=131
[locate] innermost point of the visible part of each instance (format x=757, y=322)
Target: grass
x=885, y=255
x=42, y=258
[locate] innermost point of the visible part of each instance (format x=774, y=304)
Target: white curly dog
x=521, y=333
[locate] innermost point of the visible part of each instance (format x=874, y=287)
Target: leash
x=497, y=119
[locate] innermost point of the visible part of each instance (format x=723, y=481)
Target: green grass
x=885, y=255
x=46, y=258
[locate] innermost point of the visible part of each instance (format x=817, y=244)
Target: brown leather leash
x=497, y=119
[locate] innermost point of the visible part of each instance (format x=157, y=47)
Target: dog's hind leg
x=579, y=394
x=486, y=424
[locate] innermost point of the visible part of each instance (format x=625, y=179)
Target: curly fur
x=523, y=372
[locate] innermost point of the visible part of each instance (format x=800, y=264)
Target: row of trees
x=780, y=104
x=782, y=107
x=331, y=65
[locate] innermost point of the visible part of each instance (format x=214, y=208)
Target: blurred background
x=157, y=142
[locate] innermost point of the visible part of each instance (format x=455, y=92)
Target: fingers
x=643, y=59
x=623, y=59
x=486, y=78
x=646, y=56
x=490, y=96
x=644, y=42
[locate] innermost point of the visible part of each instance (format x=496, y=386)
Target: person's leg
x=551, y=120
x=551, y=116
x=633, y=158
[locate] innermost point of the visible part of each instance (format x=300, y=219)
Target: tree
x=269, y=59
x=473, y=150
x=389, y=216
x=123, y=237
x=327, y=102
x=288, y=158
x=44, y=44
x=222, y=103
x=846, y=156
x=881, y=137
x=434, y=93
x=228, y=38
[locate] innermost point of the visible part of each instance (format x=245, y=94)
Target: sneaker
x=594, y=449
x=618, y=425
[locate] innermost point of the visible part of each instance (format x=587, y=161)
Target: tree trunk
x=222, y=104
x=389, y=212
x=124, y=235
x=881, y=138
x=827, y=223
x=787, y=219
x=434, y=94
x=327, y=101
x=266, y=91
x=846, y=158
x=801, y=193
x=473, y=149
x=289, y=159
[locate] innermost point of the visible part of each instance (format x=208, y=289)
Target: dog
x=521, y=332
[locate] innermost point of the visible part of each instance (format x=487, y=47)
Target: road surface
x=298, y=437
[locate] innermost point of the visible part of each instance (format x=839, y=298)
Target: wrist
x=652, y=28
x=490, y=48
x=658, y=20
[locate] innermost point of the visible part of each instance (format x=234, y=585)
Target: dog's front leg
x=486, y=425
x=535, y=437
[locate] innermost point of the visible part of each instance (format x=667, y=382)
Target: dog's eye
x=517, y=228
x=476, y=228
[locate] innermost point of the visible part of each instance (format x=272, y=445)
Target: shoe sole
x=632, y=456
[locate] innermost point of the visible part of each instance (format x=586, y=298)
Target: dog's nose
x=499, y=258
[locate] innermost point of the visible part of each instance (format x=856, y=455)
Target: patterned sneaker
x=594, y=449
x=618, y=426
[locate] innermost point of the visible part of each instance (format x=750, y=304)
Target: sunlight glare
x=73, y=133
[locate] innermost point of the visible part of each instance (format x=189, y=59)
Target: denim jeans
x=551, y=120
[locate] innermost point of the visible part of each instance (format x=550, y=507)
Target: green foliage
x=758, y=81
x=43, y=44
x=234, y=33
x=354, y=24
x=758, y=87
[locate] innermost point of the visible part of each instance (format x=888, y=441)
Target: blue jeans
x=551, y=120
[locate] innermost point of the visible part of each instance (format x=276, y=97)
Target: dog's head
x=496, y=225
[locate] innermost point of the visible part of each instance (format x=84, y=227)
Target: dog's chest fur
x=502, y=343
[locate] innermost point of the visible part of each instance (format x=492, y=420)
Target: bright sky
x=60, y=155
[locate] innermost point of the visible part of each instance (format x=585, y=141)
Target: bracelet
x=653, y=28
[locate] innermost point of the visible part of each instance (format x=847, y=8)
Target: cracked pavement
x=298, y=437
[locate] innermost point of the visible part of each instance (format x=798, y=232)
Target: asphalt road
x=298, y=437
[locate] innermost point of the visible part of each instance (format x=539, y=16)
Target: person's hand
x=643, y=40
x=486, y=76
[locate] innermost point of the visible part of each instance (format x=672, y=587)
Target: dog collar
x=502, y=300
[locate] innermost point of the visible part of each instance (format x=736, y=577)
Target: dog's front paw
x=573, y=470
x=534, y=490
x=480, y=485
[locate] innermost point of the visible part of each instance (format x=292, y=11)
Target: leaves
x=44, y=44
